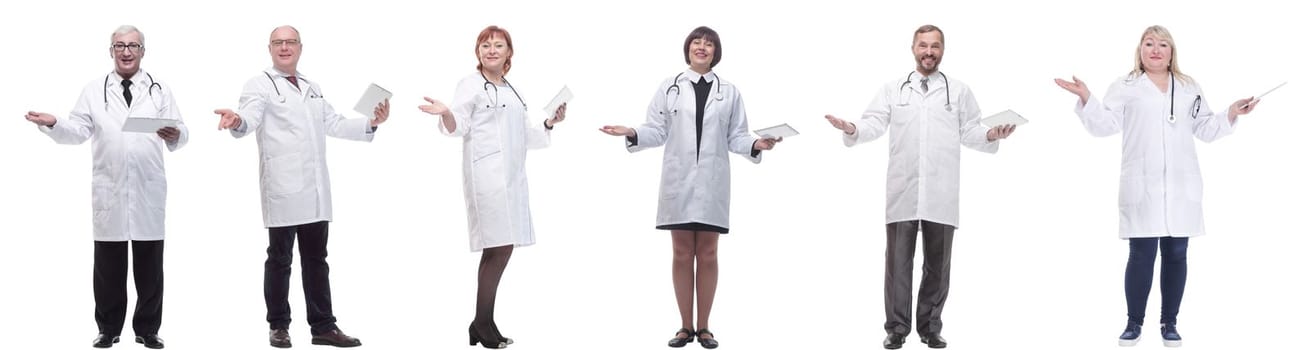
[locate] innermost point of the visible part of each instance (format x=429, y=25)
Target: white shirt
x=1160, y=178
x=128, y=187
x=291, y=125
x=924, y=149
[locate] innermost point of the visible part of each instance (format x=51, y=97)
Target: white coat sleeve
x=1104, y=118
x=873, y=123
x=740, y=140
x=171, y=112
x=462, y=107
x=973, y=133
x=1209, y=125
x=337, y=125
x=75, y=129
x=536, y=136
x=254, y=100
x=655, y=131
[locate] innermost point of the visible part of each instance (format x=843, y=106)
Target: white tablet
x=372, y=97
x=777, y=131
x=1004, y=118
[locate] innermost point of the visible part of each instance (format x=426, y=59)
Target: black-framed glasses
x=280, y=42
x=134, y=47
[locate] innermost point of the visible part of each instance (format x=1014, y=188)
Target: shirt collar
x=275, y=72
x=138, y=79
x=692, y=76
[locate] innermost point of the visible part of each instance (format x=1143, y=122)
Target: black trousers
x=897, y=277
x=109, y=283
x=313, y=274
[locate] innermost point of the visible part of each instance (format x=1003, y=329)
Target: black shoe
x=708, y=343
x=279, y=338
x=335, y=338
x=503, y=339
x=151, y=341
x=104, y=341
x=489, y=341
x=934, y=340
x=678, y=341
x=1132, y=333
x=894, y=341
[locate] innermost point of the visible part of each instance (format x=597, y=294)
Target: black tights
x=490, y=269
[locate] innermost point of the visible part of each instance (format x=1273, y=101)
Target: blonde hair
x=1164, y=35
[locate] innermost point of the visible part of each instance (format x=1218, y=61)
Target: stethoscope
x=283, y=99
x=719, y=94
x=150, y=90
x=497, y=92
x=1197, y=102
x=905, y=102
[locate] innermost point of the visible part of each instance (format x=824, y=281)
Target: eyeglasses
x=134, y=47
x=280, y=42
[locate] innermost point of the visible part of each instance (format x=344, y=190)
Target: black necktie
x=127, y=92
x=924, y=84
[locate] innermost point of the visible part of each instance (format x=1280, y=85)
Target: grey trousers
x=897, y=276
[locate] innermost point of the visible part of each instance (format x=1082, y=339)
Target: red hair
x=487, y=34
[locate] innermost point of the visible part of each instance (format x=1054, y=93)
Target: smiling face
x=127, y=51
x=927, y=49
x=1155, y=53
x=493, y=54
x=701, y=53
x=284, y=47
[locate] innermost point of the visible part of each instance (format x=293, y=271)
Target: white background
x=1037, y=263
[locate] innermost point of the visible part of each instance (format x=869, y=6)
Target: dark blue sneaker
x=1171, y=336
x=1132, y=332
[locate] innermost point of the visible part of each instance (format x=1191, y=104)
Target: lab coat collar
x=693, y=76
x=275, y=72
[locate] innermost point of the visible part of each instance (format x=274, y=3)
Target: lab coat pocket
x=1192, y=187
x=284, y=174
x=1132, y=190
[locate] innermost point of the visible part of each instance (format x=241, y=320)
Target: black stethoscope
x=150, y=90
x=497, y=91
x=1197, y=102
x=283, y=99
x=904, y=102
x=719, y=94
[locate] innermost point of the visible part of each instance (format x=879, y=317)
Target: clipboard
x=147, y=125
x=1003, y=118
x=370, y=99
x=562, y=97
x=777, y=131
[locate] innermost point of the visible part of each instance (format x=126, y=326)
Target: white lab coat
x=292, y=131
x=924, y=149
x=1160, y=179
x=128, y=186
x=692, y=189
x=497, y=135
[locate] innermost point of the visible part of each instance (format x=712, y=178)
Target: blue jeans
x=1138, y=275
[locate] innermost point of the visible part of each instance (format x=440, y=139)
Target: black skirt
x=693, y=226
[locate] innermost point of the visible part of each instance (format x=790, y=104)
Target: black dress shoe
x=335, y=338
x=708, y=343
x=934, y=340
x=894, y=341
x=151, y=341
x=104, y=341
x=687, y=337
x=279, y=338
x=487, y=338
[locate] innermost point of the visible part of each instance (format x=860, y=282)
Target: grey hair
x=127, y=29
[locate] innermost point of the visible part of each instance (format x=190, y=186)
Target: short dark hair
x=704, y=33
x=926, y=29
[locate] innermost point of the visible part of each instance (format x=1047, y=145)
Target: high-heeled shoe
x=708, y=343
x=476, y=337
x=503, y=339
x=679, y=342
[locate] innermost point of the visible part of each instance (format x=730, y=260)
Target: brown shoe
x=279, y=338
x=335, y=338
